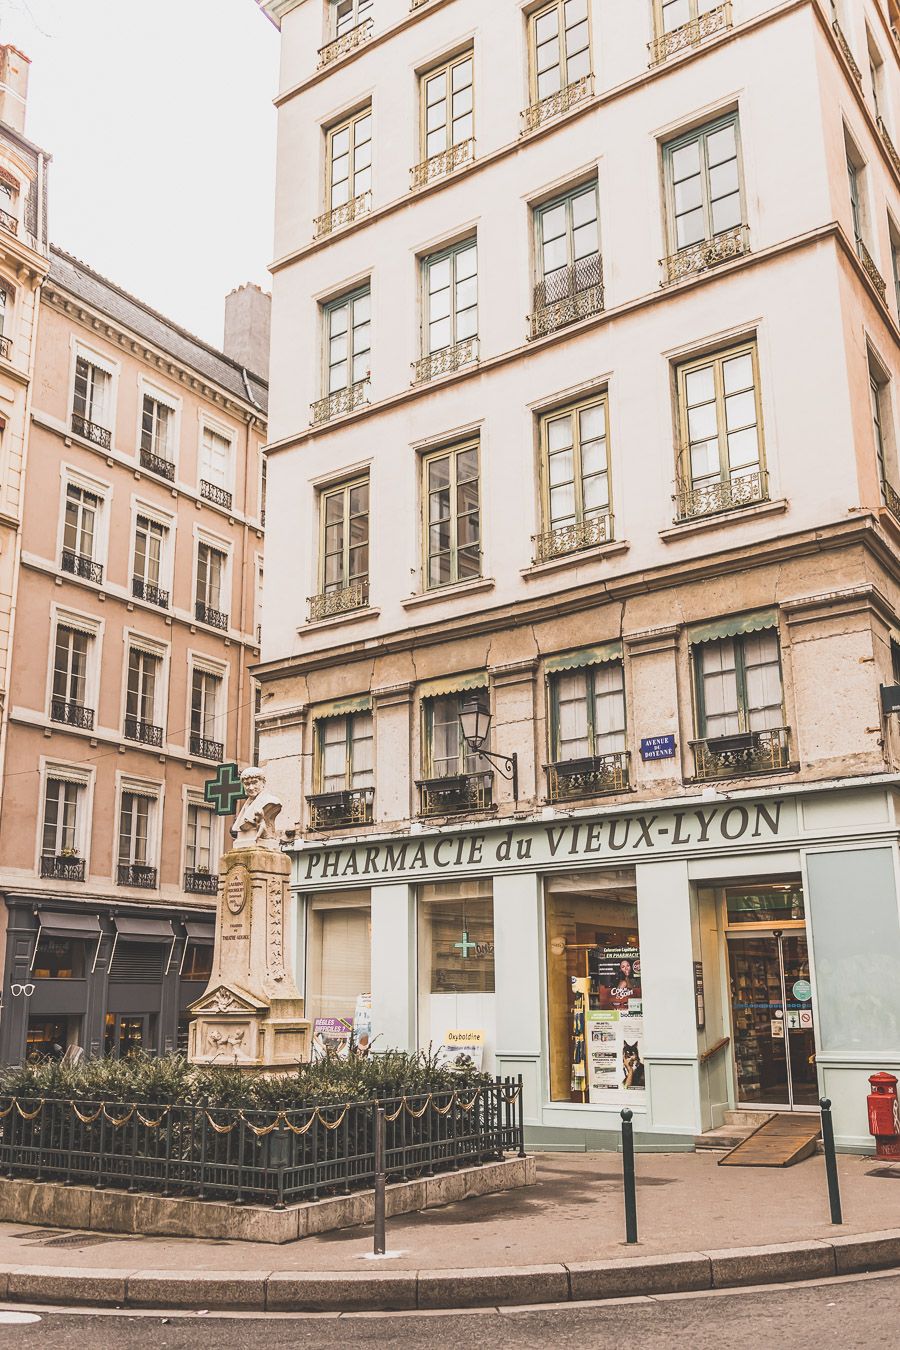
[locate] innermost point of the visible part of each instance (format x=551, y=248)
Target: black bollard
x=379, y=1181
x=831, y=1172
x=628, y=1176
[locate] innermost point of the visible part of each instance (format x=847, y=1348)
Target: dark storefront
x=110, y=979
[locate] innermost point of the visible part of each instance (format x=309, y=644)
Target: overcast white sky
x=159, y=118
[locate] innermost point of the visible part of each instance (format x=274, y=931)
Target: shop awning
x=342, y=707
x=68, y=925
x=733, y=626
x=149, y=930
x=200, y=932
x=585, y=656
x=453, y=684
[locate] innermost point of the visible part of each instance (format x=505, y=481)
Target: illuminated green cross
x=225, y=790
x=465, y=946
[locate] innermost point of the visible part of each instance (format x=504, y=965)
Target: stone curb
x=408, y=1290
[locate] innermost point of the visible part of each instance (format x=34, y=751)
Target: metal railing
x=206, y=749
x=444, y=163
x=340, y=402
x=156, y=464
x=59, y=867
x=846, y=52
x=278, y=1157
x=78, y=565
x=344, y=601
x=9, y=222
x=211, y=492
x=456, y=794
x=691, y=34
x=5, y=348
x=708, y=499
x=591, y=777
x=444, y=362
x=149, y=591
x=568, y=295
x=870, y=269
x=141, y=875
x=355, y=209
x=214, y=617
x=336, y=810
x=346, y=43
x=201, y=883
x=72, y=714
x=136, y=729
x=891, y=498
x=889, y=146
x=589, y=533
x=707, y=253
x=557, y=104
x=745, y=752
x=91, y=431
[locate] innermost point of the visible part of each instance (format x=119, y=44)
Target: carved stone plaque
x=237, y=889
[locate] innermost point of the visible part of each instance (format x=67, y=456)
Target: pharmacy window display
x=594, y=986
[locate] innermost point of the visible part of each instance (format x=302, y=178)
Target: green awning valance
x=453, y=684
x=585, y=656
x=733, y=626
x=342, y=707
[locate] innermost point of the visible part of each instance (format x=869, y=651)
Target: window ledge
x=350, y=616
x=713, y=522
x=448, y=592
x=577, y=556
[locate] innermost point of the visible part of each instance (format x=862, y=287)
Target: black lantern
x=474, y=726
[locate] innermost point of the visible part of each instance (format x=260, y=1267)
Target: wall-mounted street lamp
x=474, y=726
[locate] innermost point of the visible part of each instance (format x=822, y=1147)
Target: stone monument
x=252, y=1012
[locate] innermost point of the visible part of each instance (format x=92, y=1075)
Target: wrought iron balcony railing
x=568, y=295
x=214, y=617
x=700, y=257
x=355, y=209
x=708, y=499
x=137, y=874
x=591, y=777
x=346, y=43
x=330, y=603
x=200, y=883
x=61, y=867
x=72, y=714
x=573, y=538
x=5, y=348
x=889, y=146
x=213, y=493
x=341, y=402
x=557, y=104
x=745, y=752
x=691, y=34
x=138, y=730
x=444, y=362
x=891, y=498
x=442, y=164
x=206, y=749
x=453, y=796
x=80, y=566
x=156, y=464
x=91, y=431
x=337, y=810
x=846, y=52
x=9, y=222
x=871, y=270
x=149, y=591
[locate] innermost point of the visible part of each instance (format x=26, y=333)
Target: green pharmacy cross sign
x=465, y=946
x=225, y=790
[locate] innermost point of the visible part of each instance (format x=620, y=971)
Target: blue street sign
x=657, y=747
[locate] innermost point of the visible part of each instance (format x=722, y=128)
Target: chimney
x=14, y=66
x=248, y=317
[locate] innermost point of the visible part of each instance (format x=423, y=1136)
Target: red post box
x=884, y=1115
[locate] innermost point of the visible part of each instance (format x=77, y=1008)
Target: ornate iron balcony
x=700, y=257
x=708, y=499
x=72, y=714
x=214, y=617
x=442, y=164
x=557, y=104
x=145, y=732
x=91, y=431
x=147, y=590
x=337, y=810
x=137, y=874
x=568, y=295
x=9, y=222
x=340, y=402
x=213, y=493
x=745, y=752
x=156, y=464
x=691, y=34
x=572, y=538
x=587, y=777
x=871, y=270
x=889, y=146
x=201, y=883
x=5, y=348
x=329, y=603
x=846, y=52
x=453, y=796
x=61, y=867
x=444, y=362
x=891, y=497
x=204, y=749
x=346, y=43
x=80, y=566
x=343, y=215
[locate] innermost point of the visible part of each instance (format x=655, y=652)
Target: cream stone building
x=584, y=364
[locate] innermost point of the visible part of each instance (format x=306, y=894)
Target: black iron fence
x=272, y=1156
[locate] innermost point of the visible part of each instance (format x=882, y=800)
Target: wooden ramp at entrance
x=781, y=1141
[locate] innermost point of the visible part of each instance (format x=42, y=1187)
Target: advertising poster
x=362, y=1024
x=614, y=1052
x=461, y=1050
x=331, y=1034
x=615, y=978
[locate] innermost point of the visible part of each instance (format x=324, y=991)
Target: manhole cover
x=884, y=1172
x=40, y=1233
x=78, y=1240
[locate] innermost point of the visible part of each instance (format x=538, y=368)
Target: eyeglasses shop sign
x=618, y=838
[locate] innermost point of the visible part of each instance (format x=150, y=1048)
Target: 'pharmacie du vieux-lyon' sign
x=524, y=847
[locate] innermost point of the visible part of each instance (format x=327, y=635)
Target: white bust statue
x=254, y=825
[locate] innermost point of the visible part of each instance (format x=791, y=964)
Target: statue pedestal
x=252, y=1012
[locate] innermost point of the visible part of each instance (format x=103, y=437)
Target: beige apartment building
x=136, y=625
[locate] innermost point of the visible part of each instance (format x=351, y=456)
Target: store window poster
x=615, y=1024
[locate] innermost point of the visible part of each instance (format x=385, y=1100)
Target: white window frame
x=224, y=546
x=62, y=616
x=131, y=638
x=227, y=433
x=197, y=660
x=192, y=797
x=113, y=369
x=84, y=779
x=142, y=787
x=103, y=490
x=147, y=388
x=140, y=506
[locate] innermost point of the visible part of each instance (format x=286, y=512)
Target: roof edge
x=275, y=10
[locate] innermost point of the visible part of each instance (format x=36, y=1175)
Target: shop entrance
x=772, y=1020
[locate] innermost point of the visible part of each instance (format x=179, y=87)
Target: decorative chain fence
x=263, y=1156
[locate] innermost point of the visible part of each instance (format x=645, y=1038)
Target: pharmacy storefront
x=684, y=960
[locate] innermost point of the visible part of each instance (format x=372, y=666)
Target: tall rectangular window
x=210, y=577
x=569, y=269
x=348, y=341
x=70, y=667
x=588, y=712
x=215, y=458
x=448, y=109
x=59, y=837
x=157, y=430
x=451, y=296
x=80, y=523
x=452, y=515
x=672, y=14
x=205, y=699
x=446, y=752
x=854, y=173
x=703, y=184
x=883, y=430
x=721, y=462
x=198, y=838
x=345, y=537
x=560, y=47
x=141, y=691
x=93, y=389
x=350, y=159
x=344, y=746
x=149, y=542
x=4, y=302
x=349, y=14
x=738, y=683
x=135, y=846
x=575, y=465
